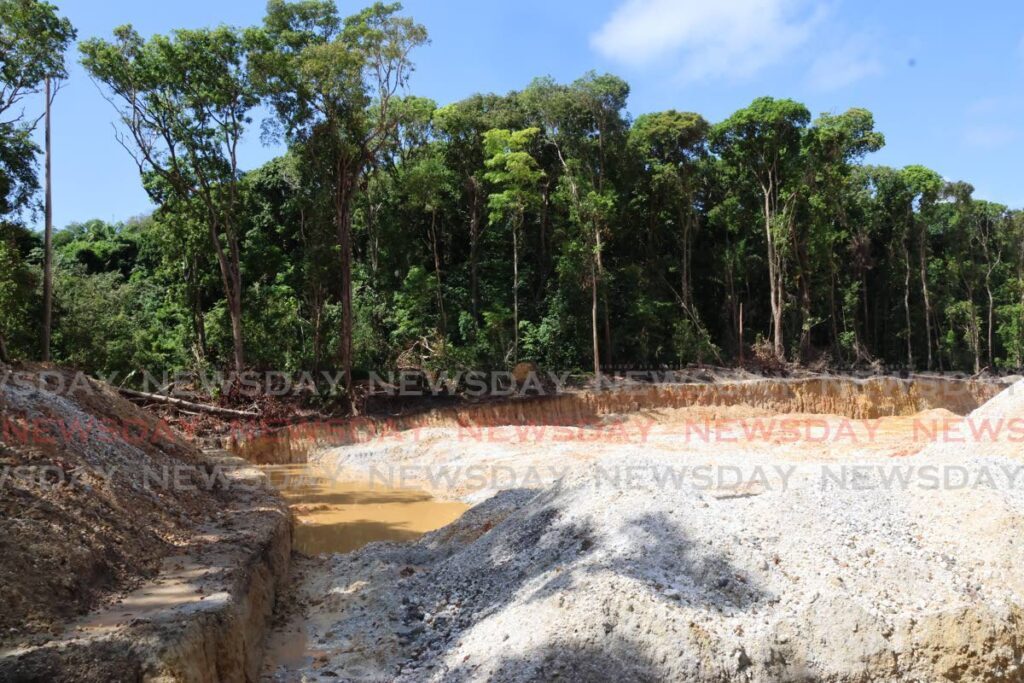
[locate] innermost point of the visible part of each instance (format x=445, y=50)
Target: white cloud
x=713, y=38
x=854, y=60
x=986, y=106
x=992, y=123
x=991, y=135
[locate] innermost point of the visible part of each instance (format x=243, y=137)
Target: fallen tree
x=187, y=405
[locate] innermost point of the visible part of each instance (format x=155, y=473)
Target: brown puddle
x=333, y=516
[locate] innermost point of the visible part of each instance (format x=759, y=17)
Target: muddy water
x=335, y=516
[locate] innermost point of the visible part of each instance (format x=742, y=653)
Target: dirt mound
x=889, y=570
x=994, y=428
x=94, y=493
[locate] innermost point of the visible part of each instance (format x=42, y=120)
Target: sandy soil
x=127, y=554
x=471, y=464
x=76, y=525
x=713, y=543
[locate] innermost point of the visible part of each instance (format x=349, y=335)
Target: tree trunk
x=542, y=256
x=607, y=331
x=187, y=405
x=474, y=240
x=593, y=325
x=48, y=238
x=598, y=247
x=687, y=259
x=991, y=323
x=196, y=304
x=1020, y=341
x=837, y=348
x=684, y=276
x=740, y=333
x=235, y=306
x=515, y=290
x=344, y=226
x=4, y=356
x=318, y=344
x=437, y=272
x=231, y=278
x=805, y=316
x=924, y=292
x=975, y=340
x=866, y=329
x=906, y=304
x=800, y=254
x=775, y=293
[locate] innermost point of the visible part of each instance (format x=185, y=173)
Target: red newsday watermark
x=45, y=431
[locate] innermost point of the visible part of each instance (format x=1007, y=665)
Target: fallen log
x=187, y=405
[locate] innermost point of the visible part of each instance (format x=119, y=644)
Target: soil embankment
x=128, y=554
x=842, y=396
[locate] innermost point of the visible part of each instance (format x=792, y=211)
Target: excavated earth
x=761, y=530
x=127, y=554
x=873, y=533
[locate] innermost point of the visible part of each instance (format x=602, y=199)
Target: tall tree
x=33, y=42
x=764, y=142
x=585, y=125
x=332, y=83
x=926, y=186
x=184, y=101
x=47, y=230
x=514, y=171
x=833, y=146
x=672, y=145
x=462, y=126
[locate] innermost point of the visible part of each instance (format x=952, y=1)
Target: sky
x=943, y=79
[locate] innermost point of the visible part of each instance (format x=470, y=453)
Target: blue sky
x=944, y=79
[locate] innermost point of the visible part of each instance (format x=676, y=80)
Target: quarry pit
x=820, y=528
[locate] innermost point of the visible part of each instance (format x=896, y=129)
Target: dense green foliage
x=545, y=224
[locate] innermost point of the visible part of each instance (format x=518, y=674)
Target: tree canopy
x=544, y=224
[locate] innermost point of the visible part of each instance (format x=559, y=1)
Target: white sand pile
x=995, y=428
x=895, y=569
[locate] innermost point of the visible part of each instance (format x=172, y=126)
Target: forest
x=546, y=224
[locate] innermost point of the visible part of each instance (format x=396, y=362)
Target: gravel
x=860, y=568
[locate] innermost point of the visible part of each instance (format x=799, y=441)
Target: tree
x=48, y=233
x=542, y=224
x=430, y=185
x=33, y=41
x=184, y=101
x=834, y=145
x=926, y=186
x=461, y=126
x=16, y=286
x=516, y=174
x=332, y=83
x=763, y=142
x=585, y=126
x=672, y=146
